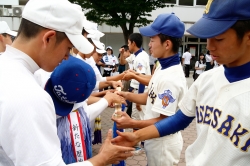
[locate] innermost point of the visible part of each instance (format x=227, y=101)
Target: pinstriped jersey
x=222, y=111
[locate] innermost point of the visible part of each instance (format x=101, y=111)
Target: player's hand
x=121, y=50
x=138, y=107
x=112, y=154
x=128, y=76
x=114, y=98
x=128, y=139
x=122, y=94
x=124, y=121
x=116, y=84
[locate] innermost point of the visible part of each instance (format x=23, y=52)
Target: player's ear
x=48, y=37
x=168, y=44
x=247, y=35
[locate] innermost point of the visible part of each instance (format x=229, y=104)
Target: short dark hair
x=187, y=49
x=30, y=30
x=137, y=38
x=241, y=27
x=176, y=41
x=126, y=48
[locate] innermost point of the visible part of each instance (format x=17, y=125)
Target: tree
x=124, y=13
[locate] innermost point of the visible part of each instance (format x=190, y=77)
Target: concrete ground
x=189, y=135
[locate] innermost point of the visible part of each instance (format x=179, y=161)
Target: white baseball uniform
x=141, y=65
x=222, y=116
x=28, y=133
x=166, y=89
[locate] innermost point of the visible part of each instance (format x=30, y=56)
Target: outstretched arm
x=167, y=126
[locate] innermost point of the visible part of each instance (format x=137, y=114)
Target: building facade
x=189, y=11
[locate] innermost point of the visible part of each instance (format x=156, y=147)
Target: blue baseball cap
x=167, y=24
x=219, y=16
x=71, y=82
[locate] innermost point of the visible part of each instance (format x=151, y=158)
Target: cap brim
x=100, y=51
x=81, y=43
x=207, y=28
x=12, y=33
x=148, y=31
x=62, y=109
x=98, y=44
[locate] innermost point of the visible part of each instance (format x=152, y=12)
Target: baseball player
x=28, y=133
x=222, y=112
x=6, y=36
x=166, y=88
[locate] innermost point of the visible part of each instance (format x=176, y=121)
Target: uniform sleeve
x=183, y=56
x=129, y=59
x=167, y=97
x=196, y=64
x=188, y=103
x=141, y=65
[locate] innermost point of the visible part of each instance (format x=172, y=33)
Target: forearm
x=96, y=109
x=137, y=98
x=93, y=99
x=104, y=84
x=143, y=79
x=98, y=94
x=115, y=78
x=145, y=123
x=164, y=127
x=173, y=124
x=122, y=60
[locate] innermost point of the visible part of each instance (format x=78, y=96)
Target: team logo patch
x=166, y=98
x=207, y=8
x=139, y=66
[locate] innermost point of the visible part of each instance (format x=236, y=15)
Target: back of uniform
x=222, y=119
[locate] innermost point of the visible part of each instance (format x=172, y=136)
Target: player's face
x=131, y=46
x=55, y=55
x=97, y=57
x=158, y=50
x=228, y=50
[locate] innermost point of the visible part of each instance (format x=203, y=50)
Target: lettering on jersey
x=238, y=132
x=207, y=8
x=226, y=127
x=152, y=94
x=166, y=98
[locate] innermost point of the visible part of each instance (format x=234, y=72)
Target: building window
x=192, y=39
x=171, y=1
x=201, y=2
x=186, y=2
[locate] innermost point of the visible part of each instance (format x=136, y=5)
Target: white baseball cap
x=4, y=28
x=95, y=37
x=101, y=50
x=62, y=16
x=92, y=28
x=109, y=47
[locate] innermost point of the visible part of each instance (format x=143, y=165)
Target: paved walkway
x=189, y=135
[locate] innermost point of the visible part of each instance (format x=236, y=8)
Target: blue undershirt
x=180, y=121
x=238, y=73
x=169, y=61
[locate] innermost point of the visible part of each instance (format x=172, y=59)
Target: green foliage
x=121, y=12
